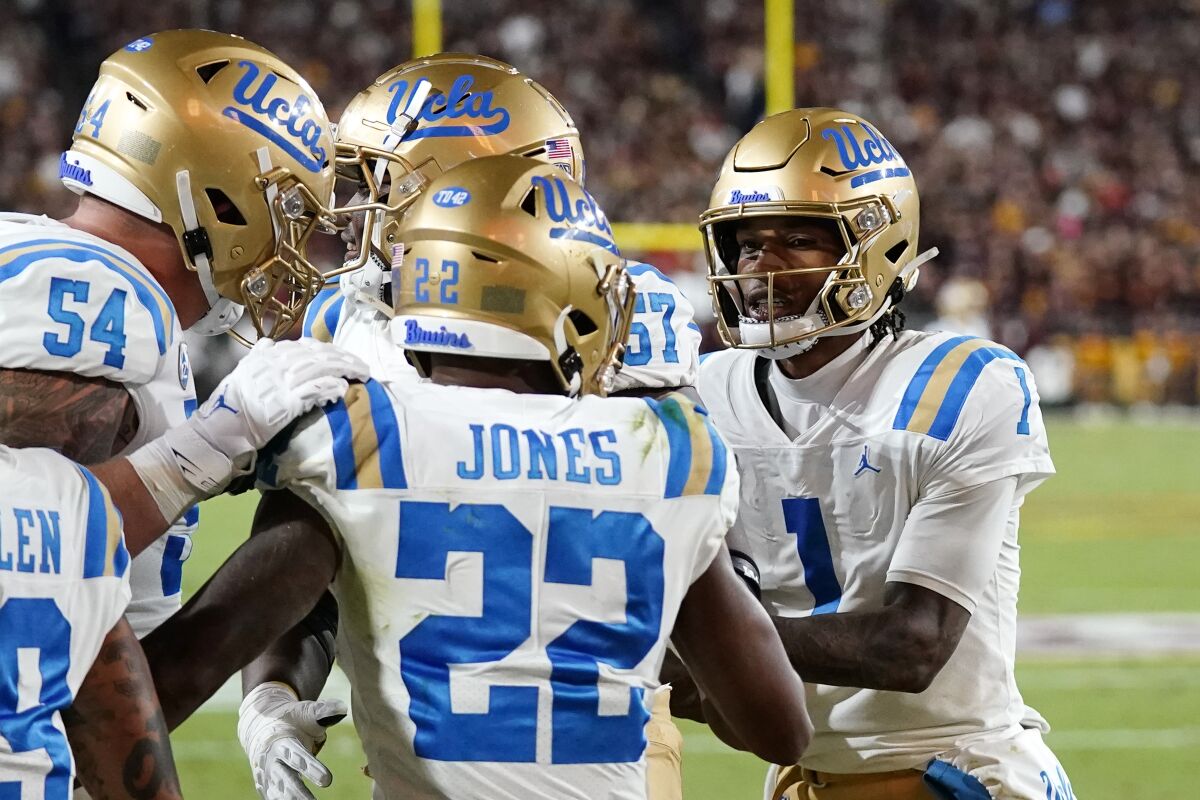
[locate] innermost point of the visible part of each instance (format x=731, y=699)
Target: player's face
x=352, y=234
x=775, y=244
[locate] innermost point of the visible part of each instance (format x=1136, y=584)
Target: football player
x=203, y=163
x=883, y=472
x=414, y=122
x=64, y=576
x=509, y=551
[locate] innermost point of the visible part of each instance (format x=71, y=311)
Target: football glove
x=281, y=735
x=275, y=383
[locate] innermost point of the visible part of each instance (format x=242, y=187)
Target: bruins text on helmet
x=819, y=163
x=507, y=257
x=225, y=143
x=425, y=116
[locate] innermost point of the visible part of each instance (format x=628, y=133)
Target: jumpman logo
x=222, y=404
x=864, y=463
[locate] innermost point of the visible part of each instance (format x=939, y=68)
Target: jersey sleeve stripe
x=104, y=552
x=320, y=320
x=948, y=385
x=716, y=477
x=679, y=444
x=366, y=443
x=387, y=431
x=1023, y=423
x=16, y=258
x=343, y=449
x=916, y=387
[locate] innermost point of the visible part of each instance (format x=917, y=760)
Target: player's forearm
x=298, y=658
x=272, y=581
x=116, y=729
x=142, y=521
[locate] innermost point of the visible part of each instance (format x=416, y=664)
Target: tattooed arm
x=116, y=727
x=85, y=419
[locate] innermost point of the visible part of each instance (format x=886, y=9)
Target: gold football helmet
x=225, y=143
x=508, y=257
x=425, y=116
x=828, y=164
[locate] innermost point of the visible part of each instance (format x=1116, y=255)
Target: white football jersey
x=63, y=585
x=512, y=566
x=663, y=349
x=72, y=302
x=831, y=515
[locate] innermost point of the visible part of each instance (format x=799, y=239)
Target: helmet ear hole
x=896, y=251
x=224, y=208
x=584, y=324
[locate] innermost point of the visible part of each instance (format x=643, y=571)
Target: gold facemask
x=826, y=164
x=506, y=257
x=225, y=143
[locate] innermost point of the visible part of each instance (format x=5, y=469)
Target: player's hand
x=281, y=735
x=275, y=383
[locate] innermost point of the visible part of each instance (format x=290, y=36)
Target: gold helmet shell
x=507, y=257
x=828, y=164
x=430, y=114
x=225, y=143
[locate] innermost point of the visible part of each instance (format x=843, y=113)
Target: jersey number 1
x=802, y=517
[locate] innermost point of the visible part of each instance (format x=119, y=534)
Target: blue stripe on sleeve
x=916, y=387
x=343, y=444
x=679, y=444
x=716, y=478
x=956, y=395
x=147, y=291
x=1023, y=423
x=391, y=460
x=96, y=538
x=192, y=516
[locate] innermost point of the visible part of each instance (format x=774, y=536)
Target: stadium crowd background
x=1055, y=142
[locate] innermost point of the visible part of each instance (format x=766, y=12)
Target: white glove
x=271, y=386
x=274, y=384
x=281, y=735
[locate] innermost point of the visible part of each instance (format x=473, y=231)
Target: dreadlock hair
x=892, y=321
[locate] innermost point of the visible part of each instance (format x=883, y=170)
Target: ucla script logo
x=475, y=108
x=872, y=150
x=584, y=219
x=284, y=122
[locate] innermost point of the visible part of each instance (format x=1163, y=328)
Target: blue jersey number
x=108, y=327
x=659, y=303
x=429, y=534
x=802, y=517
x=37, y=626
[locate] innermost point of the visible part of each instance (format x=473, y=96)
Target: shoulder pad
x=697, y=457
x=935, y=395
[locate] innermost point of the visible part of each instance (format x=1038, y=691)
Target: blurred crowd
x=1054, y=141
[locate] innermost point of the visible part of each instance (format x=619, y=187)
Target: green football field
x=1116, y=531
